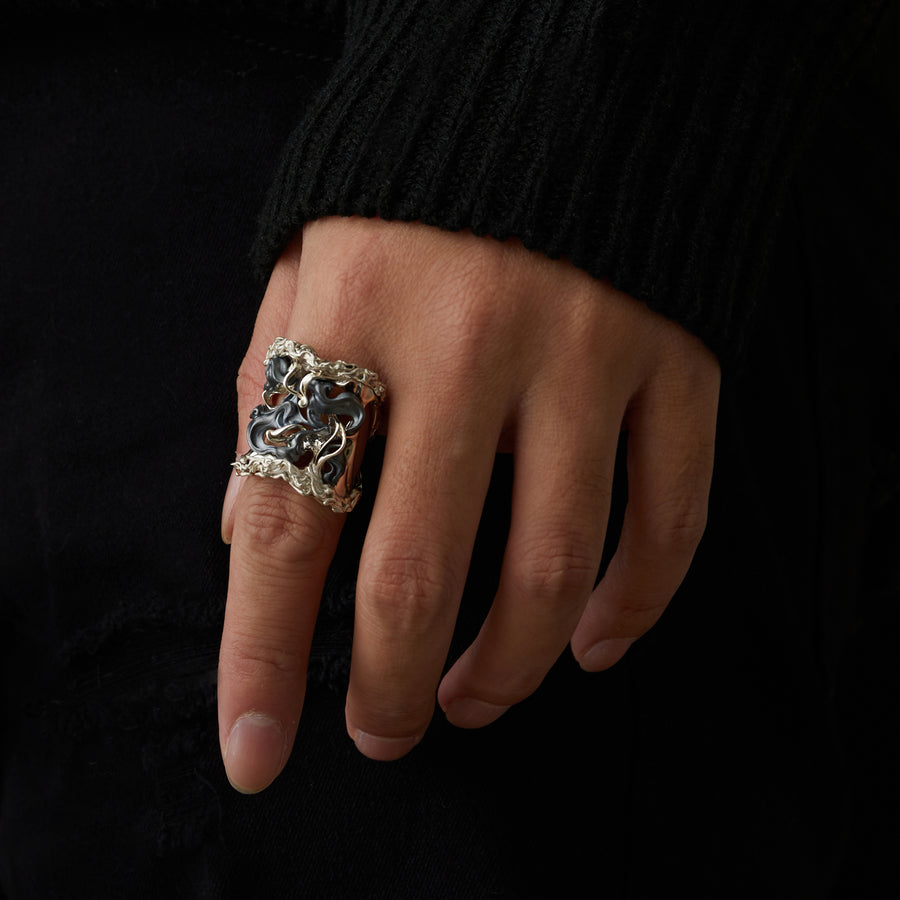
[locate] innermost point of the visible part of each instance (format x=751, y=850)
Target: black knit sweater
x=648, y=142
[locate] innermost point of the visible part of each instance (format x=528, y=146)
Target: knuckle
x=406, y=589
x=472, y=302
x=284, y=527
x=632, y=611
x=634, y=618
x=640, y=612
x=677, y=525
x=481, y=269
x=357, y=271
x=392, y=716
x=251, y=659
x=356, y=276
x=557, y=571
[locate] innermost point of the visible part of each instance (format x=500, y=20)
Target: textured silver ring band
x=312, y=426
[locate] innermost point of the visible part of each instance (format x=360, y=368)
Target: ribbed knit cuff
x=650, y=143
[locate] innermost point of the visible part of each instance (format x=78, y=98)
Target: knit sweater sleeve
x=648, y=142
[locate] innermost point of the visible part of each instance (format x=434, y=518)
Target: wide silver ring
x=312, y=426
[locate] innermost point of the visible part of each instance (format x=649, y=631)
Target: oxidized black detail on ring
x=312, y=424
x=291, y=431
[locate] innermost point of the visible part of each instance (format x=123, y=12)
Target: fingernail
x=254, y=752
x=467, y=712
x=605, y=654
x=231, y=492
x=383, y=749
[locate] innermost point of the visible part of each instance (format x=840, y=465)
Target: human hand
x=483, y=346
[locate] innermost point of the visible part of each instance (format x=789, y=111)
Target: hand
x=483, y=346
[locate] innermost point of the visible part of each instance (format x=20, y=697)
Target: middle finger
x=412, y=570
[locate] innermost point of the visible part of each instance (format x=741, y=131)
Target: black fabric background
x=743, y=748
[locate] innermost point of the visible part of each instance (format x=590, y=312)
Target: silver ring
x=312, y=426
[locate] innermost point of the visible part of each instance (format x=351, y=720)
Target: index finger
x=310, y=430
x=281, y=548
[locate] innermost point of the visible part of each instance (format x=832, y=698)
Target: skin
x=477, y=341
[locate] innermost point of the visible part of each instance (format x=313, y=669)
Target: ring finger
x=552, y=557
